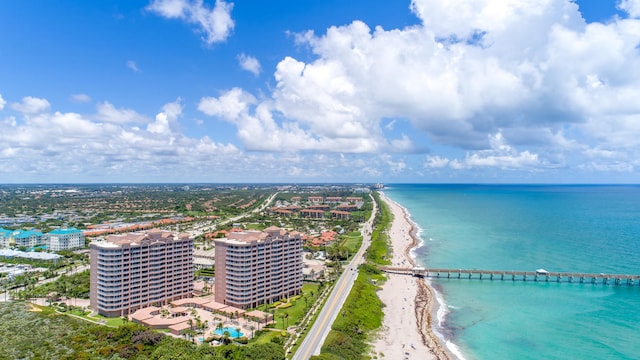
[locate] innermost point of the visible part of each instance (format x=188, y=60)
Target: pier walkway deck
x=509, y=275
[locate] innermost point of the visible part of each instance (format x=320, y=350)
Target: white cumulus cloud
x=436, y=162
x=109, y=113
x=31, y=105
x=216, y=23
x=80, y=98
x=249, y=63
x=501, y=155
x=166, y=120
x=2, y=102
x=55, y=146
x=631, y=7
x=228, y=106
x=533, y=72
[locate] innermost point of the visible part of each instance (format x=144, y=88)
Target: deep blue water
x=580, y=228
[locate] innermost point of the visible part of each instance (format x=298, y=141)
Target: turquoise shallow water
x=233, y=333
x=592, y=229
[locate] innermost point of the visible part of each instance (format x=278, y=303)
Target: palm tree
x=225, y=337
x=252, y=328
x=286, y=317
x=198, y=324
x=190, y=333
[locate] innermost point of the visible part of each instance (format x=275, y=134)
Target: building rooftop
x=23, y=234
x=249, y=236
x=136, y=238
x=65, y=231
x=29, y=255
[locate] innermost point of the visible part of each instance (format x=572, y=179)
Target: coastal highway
x=315, y=338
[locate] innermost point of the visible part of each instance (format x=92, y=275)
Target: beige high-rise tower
x=254, y=267
x=135, y=270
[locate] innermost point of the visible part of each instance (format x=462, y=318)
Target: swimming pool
x=234, y=333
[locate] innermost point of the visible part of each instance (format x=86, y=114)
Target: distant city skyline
x=203, y=91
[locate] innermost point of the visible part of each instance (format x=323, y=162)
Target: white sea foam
x=455, y=350
x=442, y=310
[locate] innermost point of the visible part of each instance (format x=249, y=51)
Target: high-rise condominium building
x=135, y=270
x=255, y=267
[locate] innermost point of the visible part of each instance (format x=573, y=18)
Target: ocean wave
x=442, y=310
x=455, y=350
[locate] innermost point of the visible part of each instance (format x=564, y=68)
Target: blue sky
x=490, y=91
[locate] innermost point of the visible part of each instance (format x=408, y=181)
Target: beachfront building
x=135, y=270
x=64, y=239
x=257, y=267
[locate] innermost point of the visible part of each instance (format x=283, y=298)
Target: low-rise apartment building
x=20, y=238
x=255, y=267
x=135, y=270
x=56, y=240
x=64, y=239
x=5, y=237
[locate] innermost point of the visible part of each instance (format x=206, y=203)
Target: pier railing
x=509, y=275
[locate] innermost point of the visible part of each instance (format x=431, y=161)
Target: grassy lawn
x=296, y=313
x=266, y=337
x=352, y=241
x=299, y=308
x=308, y=287
x=115, y=321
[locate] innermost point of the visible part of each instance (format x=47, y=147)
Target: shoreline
x=407, y=334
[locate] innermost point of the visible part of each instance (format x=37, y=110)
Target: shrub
x=242, y=340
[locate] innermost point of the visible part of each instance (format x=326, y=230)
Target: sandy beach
x=406, y=329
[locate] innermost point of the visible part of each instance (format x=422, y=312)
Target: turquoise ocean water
x=593, y=229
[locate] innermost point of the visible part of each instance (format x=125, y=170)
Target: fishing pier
x=539, y=275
